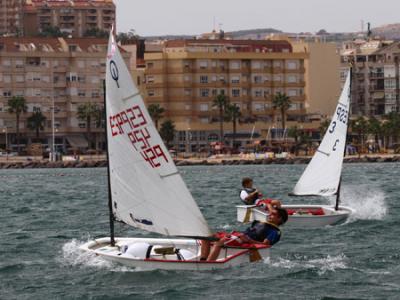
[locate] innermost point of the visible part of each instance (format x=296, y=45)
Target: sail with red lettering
x=322, y=175
x=146, y=187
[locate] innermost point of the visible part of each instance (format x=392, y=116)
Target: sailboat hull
x=136, y=252
x=299, y=215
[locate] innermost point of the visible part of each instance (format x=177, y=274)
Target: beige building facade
x=52, y=73
x=376, y=81
x=188, y=74
x=74, y=17
x=10, y=16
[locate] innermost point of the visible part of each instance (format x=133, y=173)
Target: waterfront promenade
x=93, y=161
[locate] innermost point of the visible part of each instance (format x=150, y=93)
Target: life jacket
x=248, y=191
x=258, y=229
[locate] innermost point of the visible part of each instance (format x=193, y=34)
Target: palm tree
x=156, y=113
x=391, y=127
x=323, y=127
x=375, y=128
x=360, y=127
x=167, y=132
x=282, y=102
x=36, y=122
x=86, y=112
x=233, y=114
x=17, y=106
x=221, y=102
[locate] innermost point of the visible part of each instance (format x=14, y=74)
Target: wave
x=368, y=202
x=73, y=256
x=320, y=265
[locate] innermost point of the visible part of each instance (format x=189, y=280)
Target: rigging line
x=131, y=96
x=325, y=153
x=171, y=174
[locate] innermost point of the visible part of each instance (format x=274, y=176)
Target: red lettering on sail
x=133, y=123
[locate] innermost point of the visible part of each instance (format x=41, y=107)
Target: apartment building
x=186, y=75
x=10, y=16
x=52, y=73
x=74, y=17
x=376, y=82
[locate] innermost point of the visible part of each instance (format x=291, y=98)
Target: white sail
x=147, y=190
x=322, y=175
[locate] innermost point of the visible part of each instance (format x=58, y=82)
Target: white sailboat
x=322, y=176
x=146, y=190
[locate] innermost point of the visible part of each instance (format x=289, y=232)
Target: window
x=258, y=93
x=81, y=93
x=81, y=64
x=95, y=94
x=188, y=92
x=204, y=120
x=150, y=65
x=292, y=79
x=257, y=79
x=292, y=65
x=292, y=93
x=150, y=93
x=235, y=65
x=150, y=79
x=203, y=106
x=7, y=93
x=186, y=78
x=203, y=64
x=256, y=64
x=188, y=107
x=7, y=78
x=19, y=78
x=203, y=79
x=235, y=93
x=204, y=92
x=235, y=79
x=277, y=64
x=258, y=106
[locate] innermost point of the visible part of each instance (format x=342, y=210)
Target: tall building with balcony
x=186, y=76
x=10, y=16
x=53, y=75
x=74, y=17
x=375, y=85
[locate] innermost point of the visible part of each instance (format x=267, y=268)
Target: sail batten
x=147, y=189
x=322, y=175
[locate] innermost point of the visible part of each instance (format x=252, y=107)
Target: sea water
x=46, y=214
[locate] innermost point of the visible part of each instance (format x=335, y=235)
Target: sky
x=192, y=17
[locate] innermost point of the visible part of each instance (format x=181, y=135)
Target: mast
x=345, y=142
x=112, y=241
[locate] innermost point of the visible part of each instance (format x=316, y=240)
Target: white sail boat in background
x=146, y=190
x=322, y=176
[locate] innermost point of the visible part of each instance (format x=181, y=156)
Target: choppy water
x=46, y=214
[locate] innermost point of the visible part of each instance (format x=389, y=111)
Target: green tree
x=375, y=128
x=359, y=126
x=323, y=127
x=282, y=102
x=233, y=114
x=167, y=132
x=156, y=113
x=221, y=102
x=50, y=31
x=36, y=122
x=96, y=32
x=17, y=106
x=127, y=37
x=391, y=127
x=87, y=112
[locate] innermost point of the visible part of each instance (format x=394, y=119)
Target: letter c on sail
x=114, y=72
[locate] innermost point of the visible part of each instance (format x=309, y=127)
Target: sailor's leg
x=205, y=249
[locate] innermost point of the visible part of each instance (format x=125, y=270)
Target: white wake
x=368, y=202
x=73, y=256
x=321, y=265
